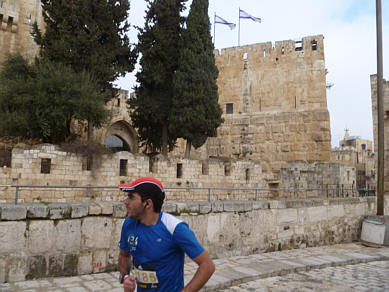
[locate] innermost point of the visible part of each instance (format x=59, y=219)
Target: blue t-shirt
x=159, y=250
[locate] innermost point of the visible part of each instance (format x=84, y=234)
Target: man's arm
x=204, y=272
x=124, y=262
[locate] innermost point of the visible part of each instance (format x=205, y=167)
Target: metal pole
x=239, y=30
x=380, y=112
x=209, y=194
x=214, y=31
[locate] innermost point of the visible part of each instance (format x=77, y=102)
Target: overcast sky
x=349, y=29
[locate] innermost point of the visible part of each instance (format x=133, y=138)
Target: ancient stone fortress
x=16, y=20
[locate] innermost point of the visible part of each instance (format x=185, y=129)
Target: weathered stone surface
x=40, y=237
x=205, y=208
x=169, y=207
x=79, y=210
x=60, y=211
x=17, y=267
x=99, y=261
x=106, y=208
x=35, y=211
x=70, y=265
x=96, y=232
x=56, y=263
x=316, y=214
x=287, y=216
x=94, y=209
x=68, y=236
x=2, y=270
x=13, y=212
x=37, y=267
x=12, y=236
x=85, y=263
x=119, y=210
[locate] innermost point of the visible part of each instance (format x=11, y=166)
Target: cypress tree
x=158, y=44
x=196, y=113
x=88, y=35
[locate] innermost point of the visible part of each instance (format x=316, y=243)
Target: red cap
x=147, y=185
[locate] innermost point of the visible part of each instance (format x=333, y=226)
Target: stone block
x=12, y=236
x=35, y=211
x=56, y=263
x=217, y=206
x=79, y=210
x=2, y=270
x=67, y=236
x=17, y=268
x=94, y=209
x=106, y=208
x=60, y=211
x=85, y=263
x=316, y=214
x=36, y=267
x=335, y=211
x=40, y=237
x=99, y=261
x=116, y=232
x=234, y=206
x=205, y=208
x=13, y=212
x=119, y=210
x=96, y=232
x=169, y=207
x=70, y=265
x=287, y=216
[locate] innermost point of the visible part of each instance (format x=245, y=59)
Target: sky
x=349, y=29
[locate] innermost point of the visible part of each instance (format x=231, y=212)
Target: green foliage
x=40, y=100
x=88, y=35
x=158, y=42
x=196, y=113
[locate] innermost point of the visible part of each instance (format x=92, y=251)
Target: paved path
x=344, y=267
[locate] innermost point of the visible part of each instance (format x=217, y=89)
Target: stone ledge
x=10, y=212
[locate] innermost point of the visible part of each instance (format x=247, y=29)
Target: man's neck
x=150, y=218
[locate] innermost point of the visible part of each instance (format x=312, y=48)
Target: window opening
x=45, y=165
x=264, y=53
x=314, y=45
x=298, y=46
x=204, y=168
x=10, y=21
x=247, y=174
x=245, y=56
x=179, y=170
x=227, y=169
x=118, y=102
x=229, y=108
x=282, y=50
x=123, y=167
x=87, y=163
x=363, y=146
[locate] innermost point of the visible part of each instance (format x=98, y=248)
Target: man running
x=157, y=243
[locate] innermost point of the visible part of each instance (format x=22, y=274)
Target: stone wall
x=39, y=240
x=16, y=19
x=373, y=84
x=69, y=169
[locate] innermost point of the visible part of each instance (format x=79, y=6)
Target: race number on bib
x=146, y=277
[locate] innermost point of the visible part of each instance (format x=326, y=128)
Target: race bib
x=146, y=277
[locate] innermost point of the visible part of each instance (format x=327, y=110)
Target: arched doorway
x=120, y=136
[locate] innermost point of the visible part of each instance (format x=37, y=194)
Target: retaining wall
x=39, y=240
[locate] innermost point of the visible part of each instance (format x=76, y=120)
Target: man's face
x=135, y=206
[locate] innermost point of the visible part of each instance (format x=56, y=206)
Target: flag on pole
x=244, y=14
x=220, y=20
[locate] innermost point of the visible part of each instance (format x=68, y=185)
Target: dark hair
x=157, y=203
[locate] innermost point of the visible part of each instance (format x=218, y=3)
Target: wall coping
x=55, y=211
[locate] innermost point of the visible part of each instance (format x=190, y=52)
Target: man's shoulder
x=170, y=222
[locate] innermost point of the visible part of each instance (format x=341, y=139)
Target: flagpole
x=214, y=31
x=239, y=30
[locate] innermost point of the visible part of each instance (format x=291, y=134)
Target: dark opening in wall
x=1, y=19
x=298, y=46
x=229, y=108
x=9, y=23
x=179, y=170
x=5, y=158
x=151, y=164
x=227, y=169
x=295, y=102
x=123, y=167
x=363, y=146
x=87, y=162
x=282, y=50
x=247, y=174
x=314, y=45
x=205, y=168
x=45, y=165
x=118, y=102
x=264, y=53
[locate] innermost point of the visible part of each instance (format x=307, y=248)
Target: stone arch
x=127, y=134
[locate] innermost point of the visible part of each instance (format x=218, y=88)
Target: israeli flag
x=220, y=20
x=244, y=14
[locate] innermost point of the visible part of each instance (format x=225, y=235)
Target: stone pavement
x=343, y=267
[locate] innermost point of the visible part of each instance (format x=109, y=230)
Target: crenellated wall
x=40, y=240
x=16, y=20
